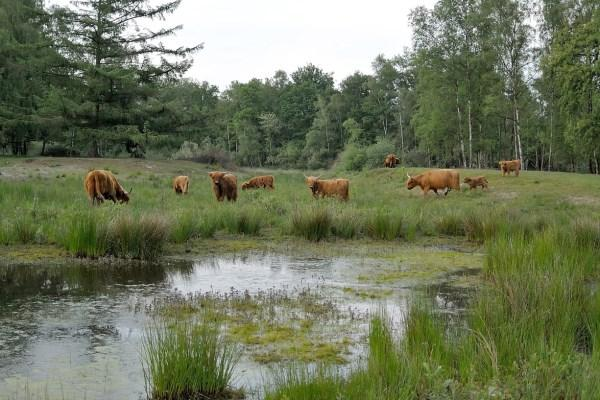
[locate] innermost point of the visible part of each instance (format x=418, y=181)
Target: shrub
x=375, y=153
x=352, y=158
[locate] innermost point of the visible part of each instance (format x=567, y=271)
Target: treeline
x=484, y=80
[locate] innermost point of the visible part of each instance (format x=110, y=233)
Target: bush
x=352, y=158
x=205, y=155
x=375, y=153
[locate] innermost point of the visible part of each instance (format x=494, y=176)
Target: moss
x=368, y=293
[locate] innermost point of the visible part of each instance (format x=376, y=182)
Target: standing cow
x=265, y=181
x=328, y=187
x=181, y=184
x=224, y=185
x=509, y=166
x=435, y=180
x=102, y=185
x=391, y=161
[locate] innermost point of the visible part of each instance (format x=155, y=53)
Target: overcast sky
x=246, y=39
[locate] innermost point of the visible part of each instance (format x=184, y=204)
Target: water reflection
x=74, y=331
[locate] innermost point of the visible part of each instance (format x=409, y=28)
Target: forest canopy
x=483, y=80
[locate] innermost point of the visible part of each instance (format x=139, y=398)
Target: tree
x=111, y=58
x=25, y=55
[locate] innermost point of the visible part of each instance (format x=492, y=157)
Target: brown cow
x=435, y=180
x=265, y=181
x=328, y=187
x=102, y=185
x=224, y=185
x=181, y=184
x=391, y=161
x=475, y=181
x=508, y=166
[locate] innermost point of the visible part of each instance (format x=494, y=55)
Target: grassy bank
x=42, y=202
x=533, y=333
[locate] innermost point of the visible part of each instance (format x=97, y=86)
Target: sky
x=245, y=39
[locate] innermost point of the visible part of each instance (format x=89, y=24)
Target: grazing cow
x=328, y=187
x=102, y=185
x=475, y=181
x=391, y=161
x=181, y=184
x=435, y=180
x=224, y=185
x=508, y=166
x=265, y=181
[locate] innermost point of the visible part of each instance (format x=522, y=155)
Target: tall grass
x=182, y=360
x=86, y=236
x=533, y=333
x=143, y=237
x=312, y=224
x=384, y=226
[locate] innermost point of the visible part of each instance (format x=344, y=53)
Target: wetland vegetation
x=530, y=329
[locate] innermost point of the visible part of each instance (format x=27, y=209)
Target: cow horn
x=407, y=175
x=318, y=177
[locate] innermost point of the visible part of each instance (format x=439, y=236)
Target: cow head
x=245, y=185
x=217, y=177
x=123, y=195
x=467, y=180
x=311, y=182
x=411, y=182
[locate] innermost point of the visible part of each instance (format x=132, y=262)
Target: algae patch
x=420, y=264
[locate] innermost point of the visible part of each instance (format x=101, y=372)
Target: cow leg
x=447, y=191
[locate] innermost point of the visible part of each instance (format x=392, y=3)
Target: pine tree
x=115, y=61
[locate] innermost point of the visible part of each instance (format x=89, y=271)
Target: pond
x=74, y=331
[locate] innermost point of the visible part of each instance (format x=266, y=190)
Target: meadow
x=532, y=331
x=44, y=206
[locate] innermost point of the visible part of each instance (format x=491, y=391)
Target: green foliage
x=352, y=158
x=313, y=223
x=142, y=237
x=86, y=236
x=185, y=360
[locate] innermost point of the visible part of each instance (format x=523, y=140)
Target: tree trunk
x=460, y=138
x=470, y=133
x=401, y=139
x=551, y=131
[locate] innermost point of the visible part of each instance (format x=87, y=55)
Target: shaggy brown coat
x=181, y=184
x=257, y=182
x=391, y=161
x=224, y=185
x=328, y=187
x=435, y=180
x=475, y=181
x=508, y=166
x=102, y=185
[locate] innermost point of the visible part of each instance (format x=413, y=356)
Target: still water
x=74, y=331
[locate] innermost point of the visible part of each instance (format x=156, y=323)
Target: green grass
x=533, y=332
x=184, y=360
x=37, y=209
